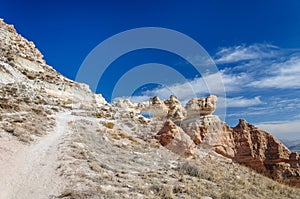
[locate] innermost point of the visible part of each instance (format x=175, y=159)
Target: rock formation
x=34, y=90
x=245, y=143
x=90, y=137
x=202, y=106
x=263, y=152
x=21, y=61
x=168, y=109
x=175, y=139
x=155, y=106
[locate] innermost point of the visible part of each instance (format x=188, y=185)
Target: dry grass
x=95, y=166
x=25, y=112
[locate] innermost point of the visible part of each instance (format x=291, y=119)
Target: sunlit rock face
x=31, y=92
x=167, y=109
x=155, y=106
x=210, y=132
x=176, y=112
x=175, y=139
x=22, y=62
x=201, y=106
x=245, y=143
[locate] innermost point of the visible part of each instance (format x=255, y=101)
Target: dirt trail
x=29, y=171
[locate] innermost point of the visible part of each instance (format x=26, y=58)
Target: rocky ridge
x=245, y=143
x=33, y=90
x=112, y=151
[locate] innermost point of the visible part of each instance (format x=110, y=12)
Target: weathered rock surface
x=175, y=111
x=263, y=152
x=210, y=132
x=21, y=61
x=245, y=144
x=175, y=139
x=33, y=90
x=164, y=109
x=155, y=106
x=93, y=137
x=202, y=106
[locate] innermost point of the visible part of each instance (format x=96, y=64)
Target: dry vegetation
x=25, y=112
x=103, y=161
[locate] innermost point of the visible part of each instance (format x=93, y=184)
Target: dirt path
x=29, y=171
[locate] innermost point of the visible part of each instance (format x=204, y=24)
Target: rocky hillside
x=245, y=143
x=60, y=140
x=32, y=90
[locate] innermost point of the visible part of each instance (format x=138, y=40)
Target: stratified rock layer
x=175, y=139
x=169, y=109
x=31, y=91
x=263, y=152
x=202, y=106
x=245, y=144
x=22, y=62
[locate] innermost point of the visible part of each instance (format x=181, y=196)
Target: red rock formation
x=248, y=145
x=175, y=139
x=263, y=152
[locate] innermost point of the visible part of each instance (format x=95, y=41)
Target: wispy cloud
x=261, y=81
x=242, y=53
x=282, y=129
x=198, y=88
x=281, y=75
x=266, y=66
x=243, y=102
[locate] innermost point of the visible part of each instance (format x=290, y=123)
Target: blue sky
x=255, y=45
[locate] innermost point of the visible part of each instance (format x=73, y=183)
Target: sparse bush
x=110, y=125
x=163, y=191
x=190, y=169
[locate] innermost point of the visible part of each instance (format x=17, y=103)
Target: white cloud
x=264, y=70
x=198, y=88
x=243, y=102
x=267, y=66
x=283, y=75
x=283, y=129
x=251, y=69
x=243, y=53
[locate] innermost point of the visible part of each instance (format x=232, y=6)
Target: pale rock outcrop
x=22, y=62
x=170, y=109
x=176, y=112
x=155, y=106
x=201, y=106
x=127, y=105
x=210, y=132
x=32, y=91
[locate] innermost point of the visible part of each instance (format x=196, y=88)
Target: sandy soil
x=29, y=171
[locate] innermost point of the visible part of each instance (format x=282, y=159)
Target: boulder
x=201, y=106
x=175, y=139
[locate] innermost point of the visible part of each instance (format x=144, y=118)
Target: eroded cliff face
x=263, y=152
x=245, y=143
x=32, y=92
x=22, y=62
